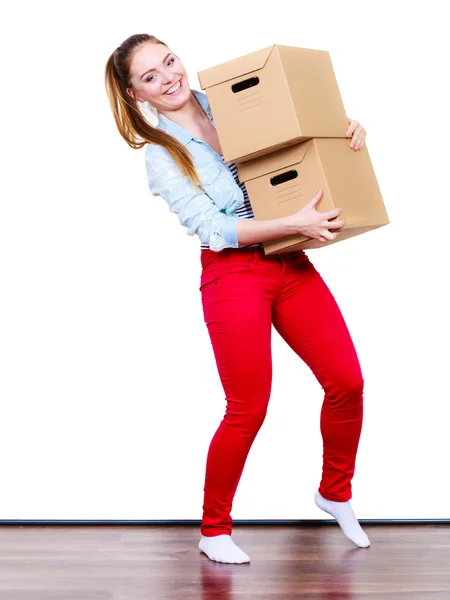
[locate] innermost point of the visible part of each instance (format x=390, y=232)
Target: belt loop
x=256, y=257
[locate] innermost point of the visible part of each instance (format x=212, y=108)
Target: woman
x=243, y=291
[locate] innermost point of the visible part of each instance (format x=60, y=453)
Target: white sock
x=221, y=548
x=344, y=515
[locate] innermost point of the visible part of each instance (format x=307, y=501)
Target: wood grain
x=163, y=562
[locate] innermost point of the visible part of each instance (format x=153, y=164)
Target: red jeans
x=243, y=293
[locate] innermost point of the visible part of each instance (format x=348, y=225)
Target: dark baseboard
x=236, y=523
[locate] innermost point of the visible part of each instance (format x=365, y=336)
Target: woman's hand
x=357, y=133
x=314, y=224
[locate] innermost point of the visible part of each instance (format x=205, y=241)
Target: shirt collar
x=176, y=130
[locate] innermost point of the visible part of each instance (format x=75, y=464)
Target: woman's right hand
x=314, y=224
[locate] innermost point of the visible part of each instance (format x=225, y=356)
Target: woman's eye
x=169, y=62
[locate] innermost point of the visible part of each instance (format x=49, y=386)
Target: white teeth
x=173, y=89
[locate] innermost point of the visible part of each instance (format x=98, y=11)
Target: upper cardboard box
x=273, y=98
x=235, y=68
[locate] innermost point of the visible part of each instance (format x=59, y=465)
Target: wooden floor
x=408, y=562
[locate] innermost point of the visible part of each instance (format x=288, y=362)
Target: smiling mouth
x=174, y=89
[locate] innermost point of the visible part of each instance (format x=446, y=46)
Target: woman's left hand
x=357, y=133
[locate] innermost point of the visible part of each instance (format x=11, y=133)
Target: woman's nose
x=169, y=77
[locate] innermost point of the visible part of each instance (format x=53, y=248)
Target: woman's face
x=158, y=76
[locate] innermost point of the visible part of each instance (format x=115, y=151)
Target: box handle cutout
x=245, y=85
x=279, y=179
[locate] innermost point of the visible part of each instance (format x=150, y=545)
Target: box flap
x=234, y=68
x=282, y=159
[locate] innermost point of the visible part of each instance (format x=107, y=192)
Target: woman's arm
x=197, y=212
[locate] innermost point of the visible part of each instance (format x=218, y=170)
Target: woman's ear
x=132, y=95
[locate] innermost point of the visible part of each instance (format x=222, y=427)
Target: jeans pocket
x=222, y=268
x=220, y=283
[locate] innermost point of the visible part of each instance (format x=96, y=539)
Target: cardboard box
x=273, y=98
x=281, y=183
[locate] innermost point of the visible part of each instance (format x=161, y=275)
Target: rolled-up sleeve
x=195, y=209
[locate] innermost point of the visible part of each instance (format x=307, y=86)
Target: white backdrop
x=109, y=390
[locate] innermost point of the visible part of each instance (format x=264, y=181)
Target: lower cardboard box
x=282, y=183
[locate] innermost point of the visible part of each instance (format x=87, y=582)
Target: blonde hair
x=131, y=123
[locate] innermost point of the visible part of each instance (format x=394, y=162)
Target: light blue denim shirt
x=210, y=214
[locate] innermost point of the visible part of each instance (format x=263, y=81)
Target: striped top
x=245, y=211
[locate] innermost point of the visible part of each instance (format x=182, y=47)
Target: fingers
x=351, y=128
x=312, y=203
x=358, y=138
x=326, y=236
x=335, y=224
x=332, y=214
x=329, y=235
x=357, y=133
